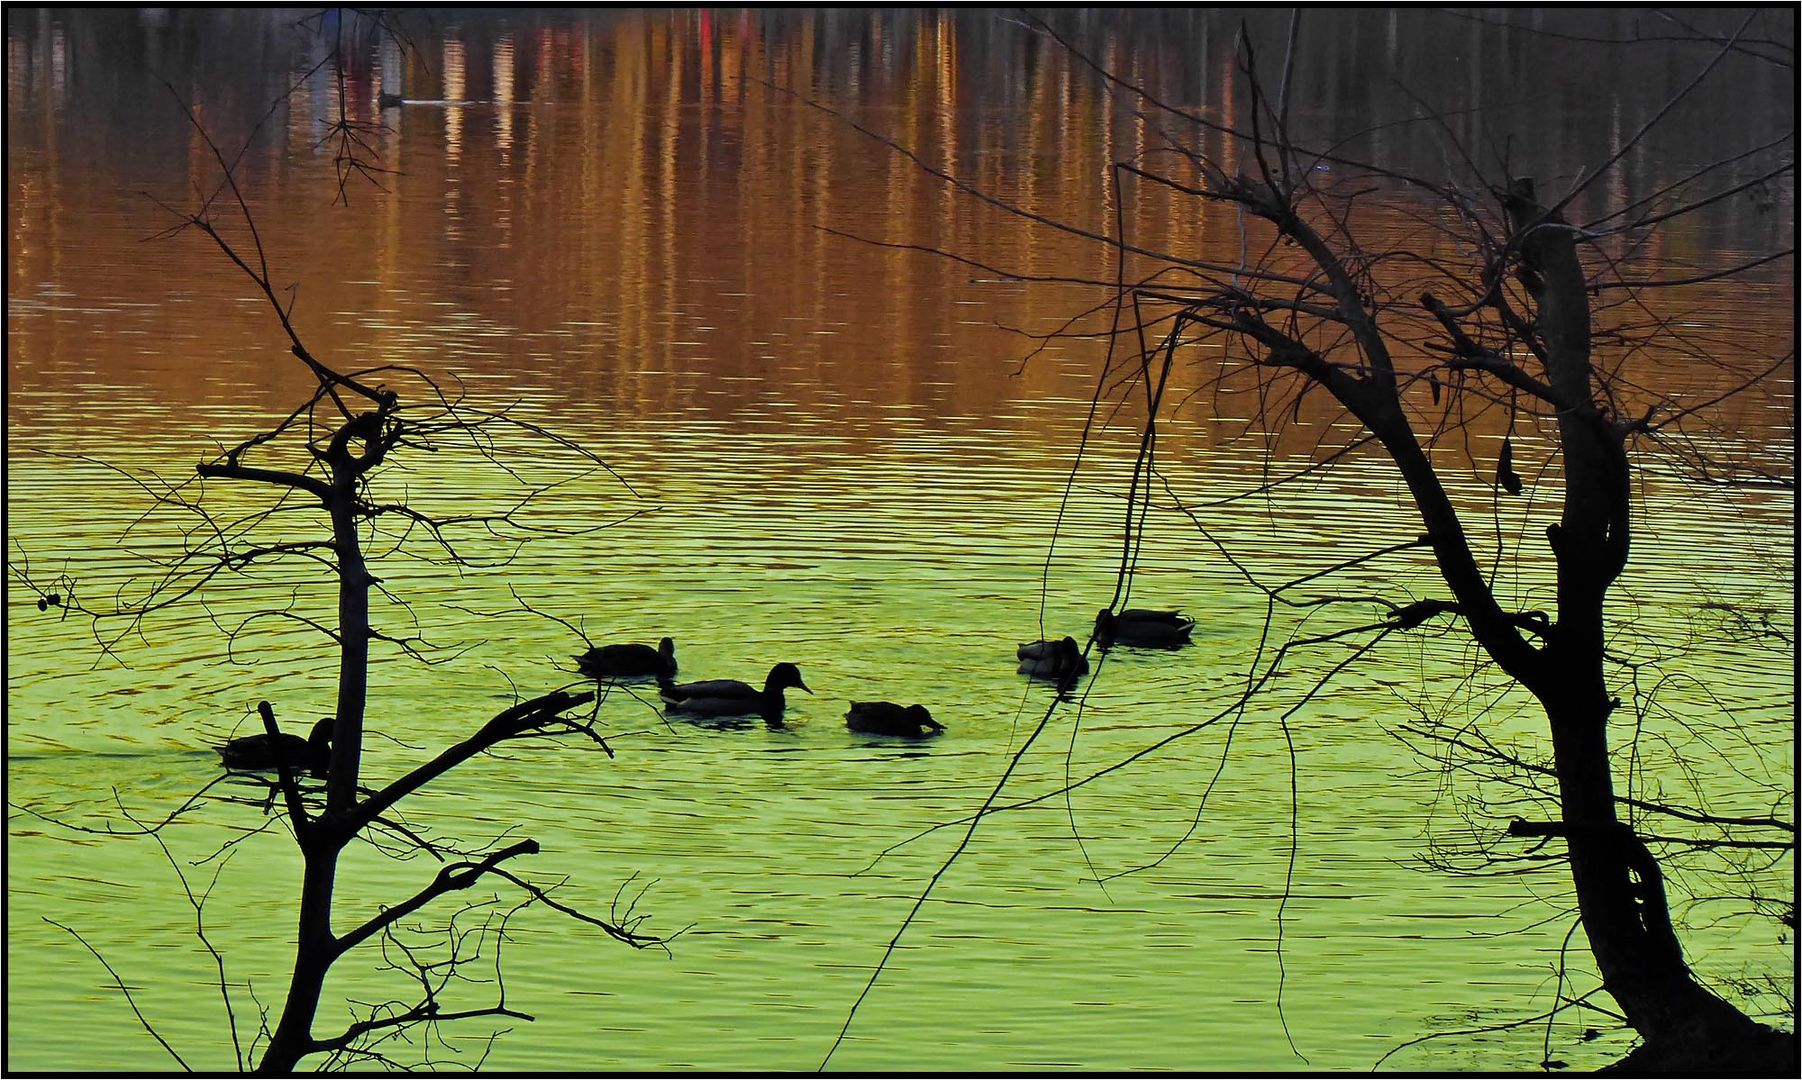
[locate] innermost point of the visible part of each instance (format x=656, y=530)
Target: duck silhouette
x=1061, y=662
x=629, y=661
x=729, y=697
x=257, y=753
x=1143, y=628
x=887, y=718
x=386, y=100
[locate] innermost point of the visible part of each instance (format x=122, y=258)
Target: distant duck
x=1061, y=662
x=729, y=697
x=395, y=101
x=256, y=753
x=887, y=718
x=1143, y=628
x=629, y=661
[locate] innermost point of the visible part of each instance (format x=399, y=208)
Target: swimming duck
x=1061, y=662
x=255, y=753
x=887, y=718
x=629, y=661
x=395, y=101
x=1143, y=628
x=729, y=697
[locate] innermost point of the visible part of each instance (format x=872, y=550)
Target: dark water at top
x=849, y=453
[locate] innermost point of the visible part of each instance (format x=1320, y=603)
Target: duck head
x=321, y=735
x=319, y=746
x=918, y=714
x=783, y=676
x=1070, y=665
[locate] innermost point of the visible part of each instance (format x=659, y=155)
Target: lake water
x=851, y=454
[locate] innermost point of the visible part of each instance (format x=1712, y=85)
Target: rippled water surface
x=829, y=451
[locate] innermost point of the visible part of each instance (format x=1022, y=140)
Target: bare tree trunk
x=353, y=606
x=314, y=953
x=321, y=840
x=323, y=456
x=353, y=660
x=1620, y=891
x=1619, y=888
x=1620, y=894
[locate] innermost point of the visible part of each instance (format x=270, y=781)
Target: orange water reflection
x=633, y=215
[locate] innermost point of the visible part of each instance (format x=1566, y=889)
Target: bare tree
x=330, y=464
x=1491, y=317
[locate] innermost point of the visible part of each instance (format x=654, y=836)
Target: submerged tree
x=333, y=498
x=1501, y=311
